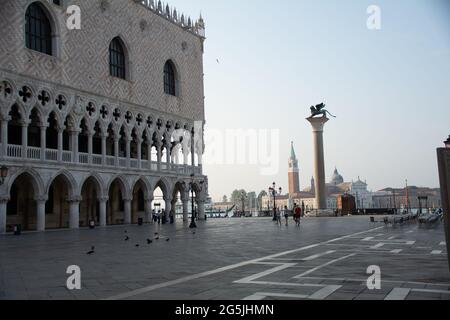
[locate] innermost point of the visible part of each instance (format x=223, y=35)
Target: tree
x=225, y=199
x=236, y=196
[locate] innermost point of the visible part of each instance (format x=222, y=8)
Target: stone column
x=43, y=142
x=319, y=162
x=139, y=152
x=40, y=204
x=159, y=155
x=104, y=137
x=116, y=149
x=74, y=213
x=103, y=201
x=90, y=145
x=148, y=210
x=127, y=213
x=74, y=137
x=185, y=201
x=3, y=206
x=128, y=150
x=149, y=153
x=168, y=201
x=201, y=209
x=4, y=129
x=60, y=144
x=24, y=140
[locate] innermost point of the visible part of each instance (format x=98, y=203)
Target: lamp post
x=193, y=225
x=273, y=192
x=3, y=174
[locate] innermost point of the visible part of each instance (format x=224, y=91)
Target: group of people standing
x=296, y=213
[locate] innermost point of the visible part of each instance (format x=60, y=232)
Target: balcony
x=33, y=154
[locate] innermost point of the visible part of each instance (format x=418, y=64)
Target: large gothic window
x=117, y=59
x=38, y=31
x=169, y=78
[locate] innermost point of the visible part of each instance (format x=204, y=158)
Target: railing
x=51, y=155
x=33, y=153
x=110, y=161
x=14, y=151
x=122, y=162
x=134, y=163
x=83, y=158
x=97, y=160
x=67, y=156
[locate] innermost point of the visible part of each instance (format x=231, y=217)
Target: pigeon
x=137, y=246
x=149, y=241
x=156, y=233
x=127, y=238
x=92, y=251
x=194, y=232
x=168, y=239
x=157, y=238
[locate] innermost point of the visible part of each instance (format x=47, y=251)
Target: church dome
x=337, y=178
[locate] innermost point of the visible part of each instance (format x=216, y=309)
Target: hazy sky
x=389, y=88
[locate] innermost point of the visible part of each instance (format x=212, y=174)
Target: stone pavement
x=230, y=259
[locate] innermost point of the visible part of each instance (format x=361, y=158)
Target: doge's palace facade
x=94, y=120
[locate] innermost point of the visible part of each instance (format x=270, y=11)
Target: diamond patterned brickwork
x=82, y=55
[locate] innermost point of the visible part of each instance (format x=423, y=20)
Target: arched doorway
x=116, y=203
x=57, y=214
x=90, y=205
x=21, y=208
x=177, y=204
x=138, y=204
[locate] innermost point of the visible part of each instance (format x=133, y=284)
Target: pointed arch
x=68, y=179
x=98, y=182
x=41, y=30
x=35, y=178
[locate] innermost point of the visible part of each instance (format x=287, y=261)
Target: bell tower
x=293, y=173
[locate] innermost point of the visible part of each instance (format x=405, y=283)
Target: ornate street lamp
x=273, y=192
x=193, y=225
x=447, y=143
x=3, y=174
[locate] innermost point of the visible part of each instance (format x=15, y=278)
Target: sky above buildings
x=266, y=63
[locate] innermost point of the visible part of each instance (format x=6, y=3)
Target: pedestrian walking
x=298, y=215
x=278, y=217
x=286, y=215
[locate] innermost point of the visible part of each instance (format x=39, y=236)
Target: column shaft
x=74, y=215
x=24, y=140
x=127, y=213
x=43, y=142
x=4, y=129
x=102, y=221
x=40, y=215
x=60, y=144
x=3, y=206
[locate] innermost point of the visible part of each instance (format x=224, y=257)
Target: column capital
x=168, y=198
x=103, y=199
x=41, y=199
x=75, y=199
x=4, y=199
x=318, y=123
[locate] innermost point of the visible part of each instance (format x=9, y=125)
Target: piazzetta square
x=245, y=156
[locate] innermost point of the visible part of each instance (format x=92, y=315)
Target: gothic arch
x=38, y=184
x=69, y=179
x=145, y=184
x=98, y=182
x=123, y=183
x=164, y=185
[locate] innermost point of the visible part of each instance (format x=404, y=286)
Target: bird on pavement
x=127, y=238
x=92, y=251
x=149, y=241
